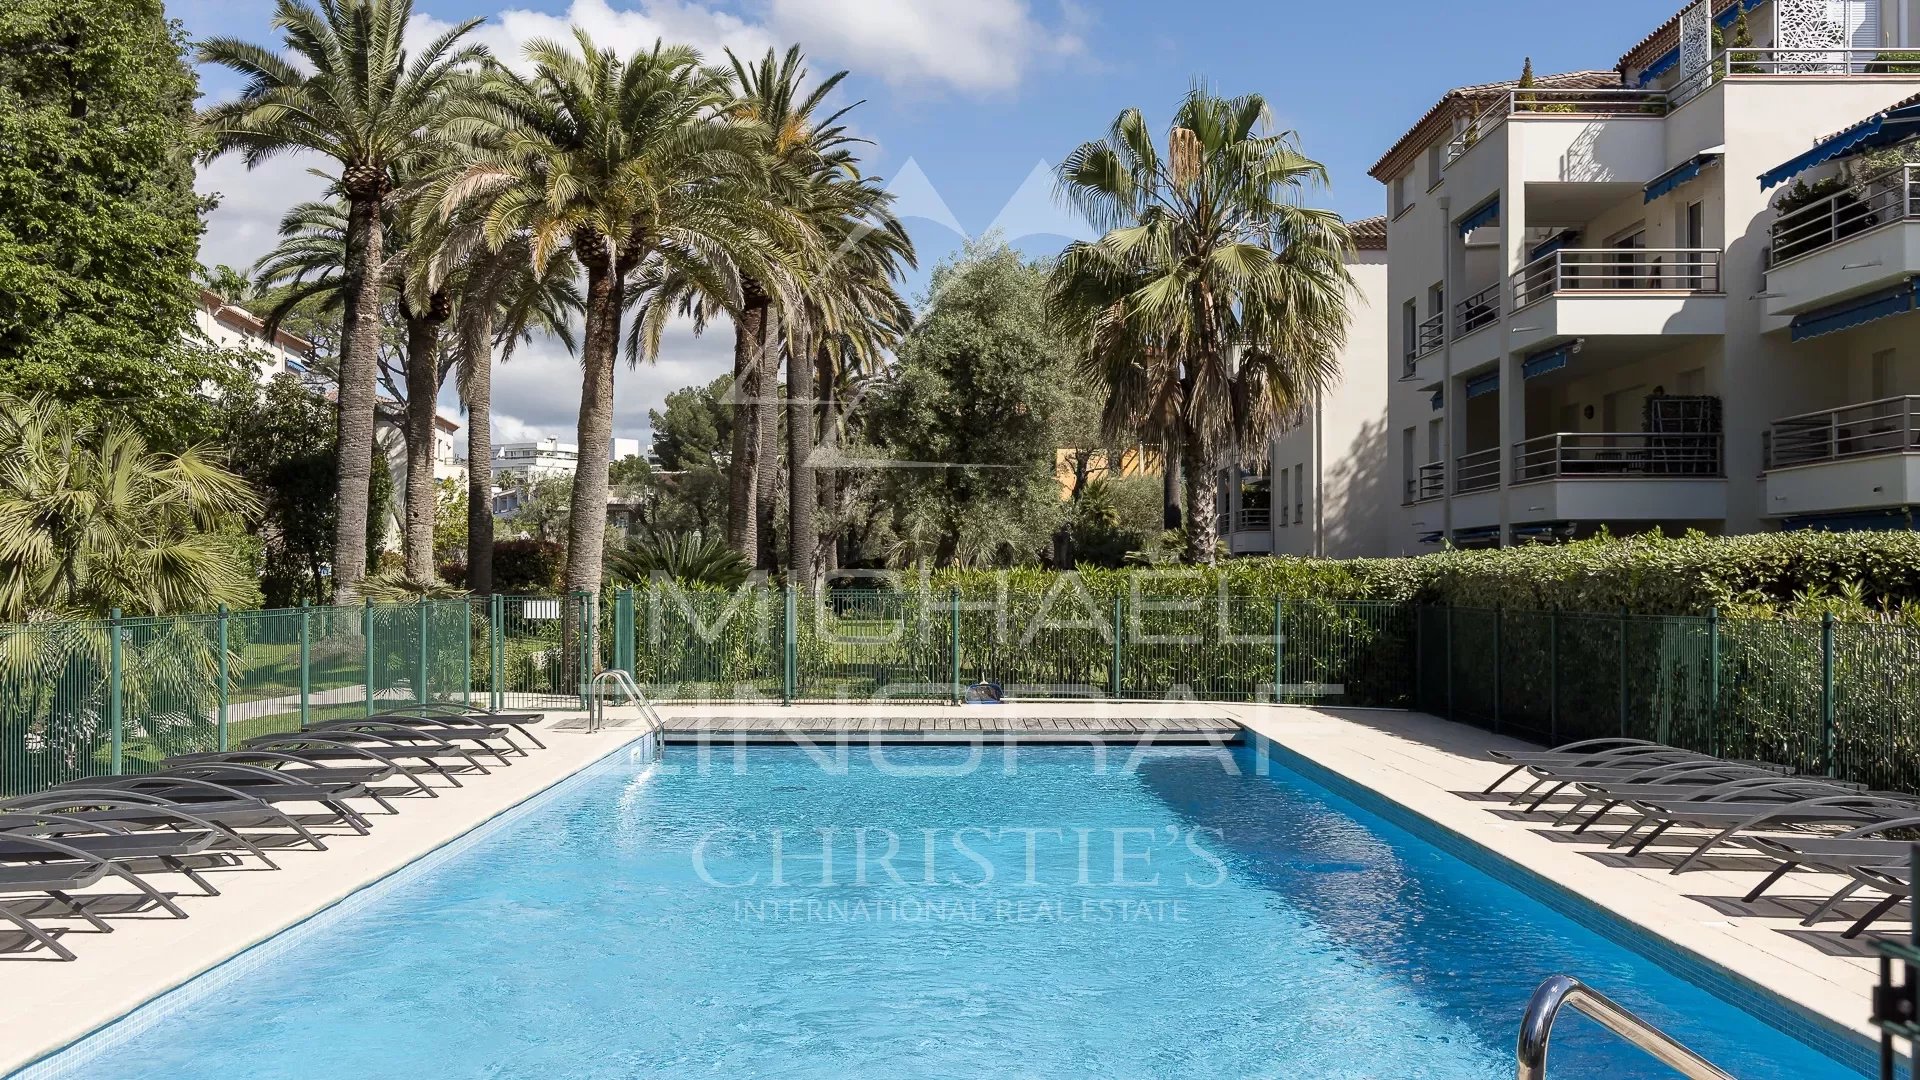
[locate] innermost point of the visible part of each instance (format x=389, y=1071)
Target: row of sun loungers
x=1648, y=792
x=275, y=792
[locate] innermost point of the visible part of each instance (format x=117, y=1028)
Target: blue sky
x=976, y=94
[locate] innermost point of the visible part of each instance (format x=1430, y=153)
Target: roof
x=1664, y=40
x=1895, y=107
x=245, y=321
x=1477, y=97
x=1369, y=234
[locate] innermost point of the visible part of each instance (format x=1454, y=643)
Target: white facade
x=236, y=329
x=1585, y=329
x=524, y=462
x=1325, y=492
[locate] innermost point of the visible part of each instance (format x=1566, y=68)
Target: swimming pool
x=928, y=913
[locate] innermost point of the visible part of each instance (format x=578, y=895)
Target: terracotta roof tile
x=1369, y=234
x=1476, y=97
x=1663, y=40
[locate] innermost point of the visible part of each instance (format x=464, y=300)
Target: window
x=1410, y=327
x=1400, y=203
x=1299, y=493
x=1409, y=468
x=1692, y=236
x=1882, y=374
x=1436, y=298
x=1437, y=161
x=1283, y=496
x=1436, y=430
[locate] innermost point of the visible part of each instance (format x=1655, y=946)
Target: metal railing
x=1595, y=101
x=1564, y=456
x=1883, y=199
x=1477, y=310
x=620, y=680
x=1431, y=334
x=1431, y=483
x=1690, y=270
x=1477, y=471
x=1829, y=61
x=1887, y=426
x=1253, y=519
x=1564, y=991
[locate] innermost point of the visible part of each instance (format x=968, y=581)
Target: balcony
x=1253, y=519
x=1857, y=240
x=1623, y=292
x=1480, y=309
x=1478, y=471
x=1619, y=476
x=1429, y=483
x=1856, y=457
x=1428, y=337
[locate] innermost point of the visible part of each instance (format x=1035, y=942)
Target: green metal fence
x=1824, y=697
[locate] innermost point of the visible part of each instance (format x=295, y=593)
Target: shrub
x=529, y=567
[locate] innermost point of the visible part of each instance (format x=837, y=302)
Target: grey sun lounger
x=335, y=746
x=1670, y=775
x=1686, y=786
x=311, y=769
x=139, y=809
x=1895, y=880
x=112, y=851
x=1727, y=819
x=1832, y=854
x=476, y=739
x=1588, y=753
x=219, y=781
x=518, y=721
x=57, y=882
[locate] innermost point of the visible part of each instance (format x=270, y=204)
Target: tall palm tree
x=625, y=164
x=799, y=141
x=1216, y=304
x=92, y=519
x=347, y=90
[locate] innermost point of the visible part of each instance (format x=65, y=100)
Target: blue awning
x=1484, y=385
x=1856, y=312
x=1439, y=398
x=1542, y=362
x=1552, y=244
x=1488, y=213
x=1898, y=519
x=1673, y=178
x=1431, y=537
x=1879, y=130
x=1479, y=535
x=1671, y=60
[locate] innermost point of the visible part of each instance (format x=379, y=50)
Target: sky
x=969, y=103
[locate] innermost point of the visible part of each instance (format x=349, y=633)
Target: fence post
x=306, y=663
x=953, y=616
x=1449, y=659
x=1279, y=647
x=466, y=652
x=366, y=635
x=1553, y=676
x=116, y=671
x=1623, y=671
x=496, y=651
x=1713, y=681
x=1499, y=673
x=1119, y=629
x=788, y=657
x=420, y=661
x=1826, y=693
x=220, y=720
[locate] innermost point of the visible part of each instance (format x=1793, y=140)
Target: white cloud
x=623, y=29
x=979, y=46
x=252, y=201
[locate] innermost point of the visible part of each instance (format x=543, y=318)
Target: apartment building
x=236, y=329
x=1325, y=487
x=1601, y=314
x=543, y=459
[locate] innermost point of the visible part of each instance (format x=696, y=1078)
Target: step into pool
x=927, y=912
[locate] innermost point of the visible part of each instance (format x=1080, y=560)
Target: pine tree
x=1522, y=100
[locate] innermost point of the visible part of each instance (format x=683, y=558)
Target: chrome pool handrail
x=596, y=702
x=1536, y=1027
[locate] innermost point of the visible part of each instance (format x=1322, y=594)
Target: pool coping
x=1847, y=1045
x=59, y=1061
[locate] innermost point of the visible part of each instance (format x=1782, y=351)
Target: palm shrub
x=690, y=560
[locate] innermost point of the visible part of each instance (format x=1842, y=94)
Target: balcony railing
x=1253, y=519
x=1430, y=482
x=1689, y=270
x=1617, y=101
x=1477, y=310
x=1888, y=426
x=1617, y=455
x=1830, y=62
x=1882, y=199
x=1477, y=471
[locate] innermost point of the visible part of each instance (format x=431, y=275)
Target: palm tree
x=1215, y=305
x=349, y=92
x=625, y=164
x=92, y=520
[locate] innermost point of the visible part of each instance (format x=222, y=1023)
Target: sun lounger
x=436, y=732
x=104, y=847
x=1895, y=880
x=58, y=882
x=1726, y=819
x=332, y=746
x=517, y=721
x=215, y=781
x=1595, y=753
x=137, y=809
x=312, y=769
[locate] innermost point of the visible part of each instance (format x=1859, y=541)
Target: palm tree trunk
x=803, y=536
x=1202, y=493
x=423, y=384
x=600, y=347
x=1170, y=484
x=479, y=352
x=766, y=463
x=353, y=452
x=827, y=480
x=742, y=522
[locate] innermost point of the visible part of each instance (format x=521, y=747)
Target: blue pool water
x=1186, y=917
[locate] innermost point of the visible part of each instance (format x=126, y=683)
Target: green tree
x=280, y=439
x=628, y=165
x=91, y=519
x=968, y=415
x=99, y=224
x=348, y=92
x=1216, y=304
x=449, y=520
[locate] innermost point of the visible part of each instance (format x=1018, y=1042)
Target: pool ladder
x=619, y=680
x=1564, y=991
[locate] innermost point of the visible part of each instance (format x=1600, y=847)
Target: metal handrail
x=1564, y=991
x=1477, y=310
x=1254, y=519
x=1690, y=270
x=1887, y=426
x=1582, y=101
x=1882, y=199
x=1611, y=455
x=1432, y=481
x=1477, y=471
x=596, y=704
x=1431, y=334
x=1832, y=60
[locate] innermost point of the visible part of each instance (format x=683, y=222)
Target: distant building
x=236, y=329
x=525, y=462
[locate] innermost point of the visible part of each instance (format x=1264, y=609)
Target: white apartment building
x=236, y=329
x=1598, y=317
x=1325, y=488
x=548, y=458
